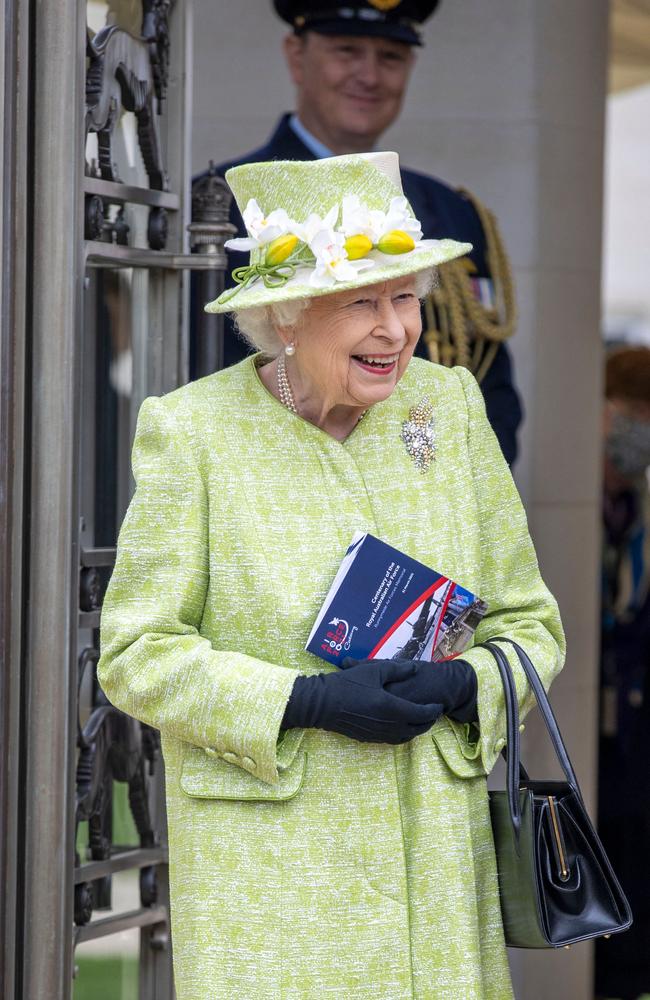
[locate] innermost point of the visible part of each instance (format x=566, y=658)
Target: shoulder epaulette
x=460, y=328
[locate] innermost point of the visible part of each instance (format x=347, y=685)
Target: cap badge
x=384, y=4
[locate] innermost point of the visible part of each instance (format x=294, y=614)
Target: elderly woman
x=329, y=831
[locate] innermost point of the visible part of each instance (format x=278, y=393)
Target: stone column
x=508, y=100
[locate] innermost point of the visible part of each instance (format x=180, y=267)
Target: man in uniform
x=350, y=63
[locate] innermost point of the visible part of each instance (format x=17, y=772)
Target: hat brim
x=298, y=287
x=363, y=29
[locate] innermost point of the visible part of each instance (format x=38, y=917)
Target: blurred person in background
x=623, y=963
x=350, y=64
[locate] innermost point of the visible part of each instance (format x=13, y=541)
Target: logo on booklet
x=338, y=639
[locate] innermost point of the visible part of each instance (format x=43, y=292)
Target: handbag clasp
x=557, y=832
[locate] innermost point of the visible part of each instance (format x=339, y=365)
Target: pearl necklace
x=284, y=388
x=285, y=392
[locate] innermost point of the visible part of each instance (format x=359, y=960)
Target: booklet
x=385, y=605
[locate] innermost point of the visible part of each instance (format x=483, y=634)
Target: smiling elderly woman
x=342, y=369
x=329, y=831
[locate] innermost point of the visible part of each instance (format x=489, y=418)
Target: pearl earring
x=290, y=349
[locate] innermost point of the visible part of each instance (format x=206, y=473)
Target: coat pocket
x=461, y=757
x=209, y=777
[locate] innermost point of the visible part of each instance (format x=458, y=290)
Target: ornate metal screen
x=94, y=319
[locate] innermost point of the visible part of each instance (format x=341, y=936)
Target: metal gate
x=94, y=292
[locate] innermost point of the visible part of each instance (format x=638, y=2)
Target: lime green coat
x=304, y=864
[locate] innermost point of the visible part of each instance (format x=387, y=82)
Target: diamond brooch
x=418, y=434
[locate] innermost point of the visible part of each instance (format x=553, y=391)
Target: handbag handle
x=546, y=710
x=510, y=752
x=512, y=720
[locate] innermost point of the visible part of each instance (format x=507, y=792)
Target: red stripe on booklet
x=416, y=604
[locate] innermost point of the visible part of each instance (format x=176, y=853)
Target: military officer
x=350, y=63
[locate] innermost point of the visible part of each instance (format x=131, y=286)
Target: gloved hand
x=452, y=683
x=356, y=703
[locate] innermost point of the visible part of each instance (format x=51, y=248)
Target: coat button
x=230, y=757
x=499, y=745
x=522, y=727
x=211, y=752
x=248, y=763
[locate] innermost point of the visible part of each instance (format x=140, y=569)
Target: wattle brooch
x=418, y=434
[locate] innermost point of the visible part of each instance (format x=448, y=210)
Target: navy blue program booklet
x=385, y=605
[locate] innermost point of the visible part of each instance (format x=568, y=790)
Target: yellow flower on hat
x=357, y=246
x=281, y=248
x=397, y=241
x=393, y=232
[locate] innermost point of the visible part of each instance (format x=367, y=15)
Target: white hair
x=258, y=325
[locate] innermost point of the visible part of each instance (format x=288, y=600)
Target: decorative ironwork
x=94, y=217
x=127, y=67
x=112, y=747
x=90, y=589
x=126, y=73
x=210, y=226
x=208, y=231
x=157, y=229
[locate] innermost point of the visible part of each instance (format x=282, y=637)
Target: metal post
x=209, y=230
x=50, y=657
x=13, y=221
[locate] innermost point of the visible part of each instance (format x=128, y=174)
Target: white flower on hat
x=356, y=226
x=315, y=224
x=398, y=232
x=262, y=229
x=355, y=218
x=397, y=218
x=332, y=262
x=392, y=233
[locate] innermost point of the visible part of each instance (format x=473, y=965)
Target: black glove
x=356, y=703
x=452, y=683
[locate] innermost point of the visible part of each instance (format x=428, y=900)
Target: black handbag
x=556, y=884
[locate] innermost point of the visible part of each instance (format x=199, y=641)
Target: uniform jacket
x=443, y=212
x=304, y=864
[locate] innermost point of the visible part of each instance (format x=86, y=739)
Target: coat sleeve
x=155, y=664
x=519, y=604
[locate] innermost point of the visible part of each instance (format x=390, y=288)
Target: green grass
x=109, y=977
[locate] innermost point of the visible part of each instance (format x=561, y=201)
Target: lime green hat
x=321, y=226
